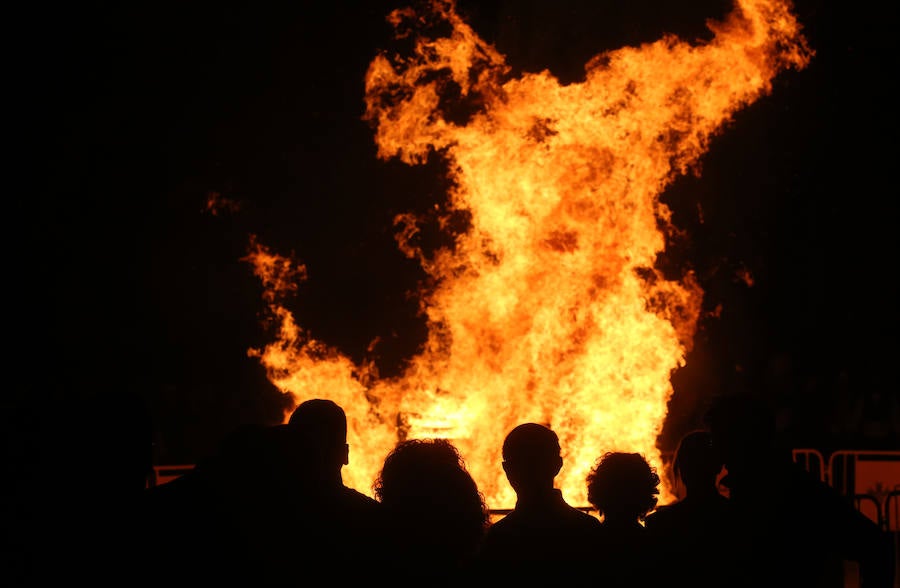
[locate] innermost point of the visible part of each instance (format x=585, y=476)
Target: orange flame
x=547, y=307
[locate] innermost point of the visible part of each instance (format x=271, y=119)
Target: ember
x=547, y=306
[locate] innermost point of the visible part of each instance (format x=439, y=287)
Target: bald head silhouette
x=531, y=457
x=321, y=420
x=697, y=461
x=542, y=535
x=318, y=432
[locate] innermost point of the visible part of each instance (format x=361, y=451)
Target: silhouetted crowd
x=270, y=508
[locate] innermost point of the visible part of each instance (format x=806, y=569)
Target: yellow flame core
x=548, y=307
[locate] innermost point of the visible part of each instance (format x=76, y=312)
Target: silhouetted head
x=318, y=429
x=623, y=486
x=697, y=462
x=321, y=418
x=742, y=428
x=432, y=501
x=531, y=457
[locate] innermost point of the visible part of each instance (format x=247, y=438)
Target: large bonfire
x=547, y=306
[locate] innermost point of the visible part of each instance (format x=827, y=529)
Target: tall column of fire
x=547, y=306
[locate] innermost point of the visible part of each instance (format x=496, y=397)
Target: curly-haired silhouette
x=691, y=534
x=795, y=529
x=624, y=488
x=543, y=533
x=436, y=515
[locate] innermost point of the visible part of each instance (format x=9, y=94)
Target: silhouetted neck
x=620, y=521
x=332, y=479
x=702, y=492
x=538, y=497
x=322, y=481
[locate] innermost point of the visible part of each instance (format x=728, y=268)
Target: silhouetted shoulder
x=362, y=508
x=796, y=529
x=523, y=550
x=436, y=515
x=680, y=516
x=558, y=532
x=543, y=536
x=624, y=487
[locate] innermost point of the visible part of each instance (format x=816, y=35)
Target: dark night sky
x=127, y=116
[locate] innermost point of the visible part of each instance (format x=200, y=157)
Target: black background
x=124, y=118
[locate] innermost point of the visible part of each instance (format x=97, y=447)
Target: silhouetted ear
x=506, y=469
x=557, y=465
x=346, y=459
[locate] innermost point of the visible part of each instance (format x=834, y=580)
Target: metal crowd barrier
x=855, y=474
x=166, y=473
